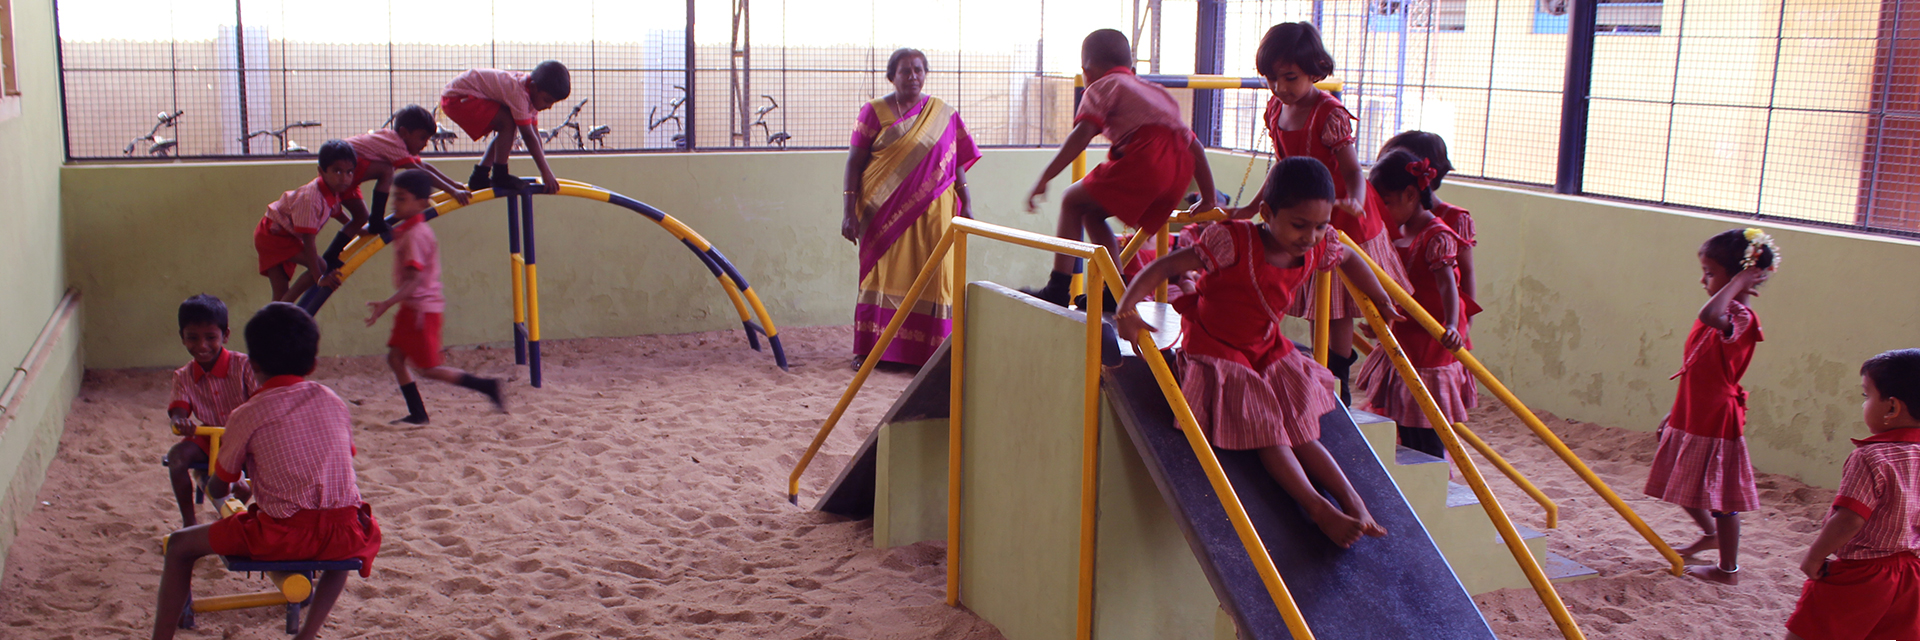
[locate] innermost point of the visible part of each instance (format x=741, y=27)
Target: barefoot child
x=284, y=237
x=1429, y=249
x=295, y=438
x=205, y=391
x=1248, y=386
x=1147, y=171
x=1701, y=464
x=416, y=281
x=1305, y=121
x=1872, y=591
x=503, y=103
x=377, y=154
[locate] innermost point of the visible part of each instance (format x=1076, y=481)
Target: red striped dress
x=1433, y=248
x=1329, y=128
x=1702, y=460
x=1461, y=222
x=1248, y=386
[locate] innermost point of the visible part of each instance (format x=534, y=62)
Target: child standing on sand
x=1250, y=389
x=1873, y=590
x=1702, y=463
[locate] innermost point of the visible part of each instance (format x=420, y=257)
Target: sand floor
x=642, y=494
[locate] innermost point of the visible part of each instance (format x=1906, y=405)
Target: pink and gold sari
x=907, y=202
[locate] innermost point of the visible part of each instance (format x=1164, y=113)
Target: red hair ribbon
x=1423, y=173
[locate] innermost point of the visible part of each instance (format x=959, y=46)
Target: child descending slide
x=377, y=154
x=505, y=103
x=205, y=391
x=1250, y=389
x=284, y=237
x=1428, y=248
x=416, y=281
x=1702, y=464
x=1148, y=170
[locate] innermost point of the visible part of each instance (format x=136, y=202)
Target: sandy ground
x=641, y=493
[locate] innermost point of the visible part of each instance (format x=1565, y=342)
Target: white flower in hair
x=1758, y=240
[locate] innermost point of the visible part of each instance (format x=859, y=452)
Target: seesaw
x=525, y=269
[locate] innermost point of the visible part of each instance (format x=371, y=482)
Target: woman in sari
x=906, y=180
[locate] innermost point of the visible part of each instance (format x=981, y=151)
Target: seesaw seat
x=294, y=580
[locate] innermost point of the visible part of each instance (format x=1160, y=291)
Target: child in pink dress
x=1249, y=388
x=1702, y=463
x=1429, y=249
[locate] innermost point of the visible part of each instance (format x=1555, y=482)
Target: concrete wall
x=32, y=274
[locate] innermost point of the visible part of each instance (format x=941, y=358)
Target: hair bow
x=1423, y=173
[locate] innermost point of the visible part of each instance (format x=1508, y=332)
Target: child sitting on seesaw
x=284, y=237
x=502, y=103
x=295, y=438
x=205, y=391
x=1248, y=387
x=377, y=154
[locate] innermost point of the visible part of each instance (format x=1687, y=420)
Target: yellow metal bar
x=1322, y=315
x=293, y=585
x=1133, y=247
x=1487, y=452
x=1676, y=566
x=519, y=268
x=733, y=294
x=873, y=358
x=1190, y=217
x=1443, y=427
x=1023, y=237
x=956, y=355
x=766, y=321
x=239, y=601
x=1097, y=270
x=1160, y=247
x=533, y=302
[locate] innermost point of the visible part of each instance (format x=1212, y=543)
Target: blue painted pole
x=533, y=290
x=516, y=263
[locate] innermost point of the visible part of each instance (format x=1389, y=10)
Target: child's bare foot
x=1706, y=542
x=1372, y=528
x=1344, y=530
x=1714, y=573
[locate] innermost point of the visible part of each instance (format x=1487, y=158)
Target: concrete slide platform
x=852, y=493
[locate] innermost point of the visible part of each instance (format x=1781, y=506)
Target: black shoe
x=508, y=183
x=480, y=179
x=1112, y=305
x=1057, y=290
x=491, y=387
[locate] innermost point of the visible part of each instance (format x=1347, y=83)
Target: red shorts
x=276, y=250
x=418, y=339
x=205, y=443
x=1147, y=181
x=337, y=534
x=1866, y=599
x=474, y=115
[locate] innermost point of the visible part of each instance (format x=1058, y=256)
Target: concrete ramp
x=852, y=493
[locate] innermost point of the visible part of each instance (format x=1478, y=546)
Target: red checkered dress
x=210, y=395
x=295, y=439
x=1702, y=460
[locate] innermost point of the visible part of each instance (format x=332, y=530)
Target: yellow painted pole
x=1443, y=427
x=956, y=373
x=1079, y=171
x=1676, y=567
x=1322, y=315
x=239, y=601
x=1487, y=452
x=1097, y=268
x=292, y=585
x=866, y=368
x=1160, y=247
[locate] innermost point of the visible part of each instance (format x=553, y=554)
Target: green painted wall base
x=31, y=429
x=910, y=485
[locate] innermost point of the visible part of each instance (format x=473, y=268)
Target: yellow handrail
x=1322, y=318
x=1443, y=427
x=1487, y=452
x=1519, y=409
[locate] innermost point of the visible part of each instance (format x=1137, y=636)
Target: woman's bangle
x=1126, y=313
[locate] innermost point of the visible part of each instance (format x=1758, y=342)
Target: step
x=1561, y=569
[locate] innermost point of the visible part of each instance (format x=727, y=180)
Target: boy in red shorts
x=205, y=391
x=295, y=439
x=285, y=234
x=416, y=281
x=377, y=154
x=1147, y=171
x=491, y=101
x=1872, y=591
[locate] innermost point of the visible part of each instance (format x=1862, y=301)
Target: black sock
x=1059, y=285
x=332, y=255
x=488, y=386
x=1342, y=366
x=377, y=216
x=416, y=406
x=506, y=181
x=480, y=179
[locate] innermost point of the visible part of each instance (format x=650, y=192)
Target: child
x=1873, y=590
x=416, y=281
x=205, y=391
x=1146, y=172
x=1248, y=386
x=491, y=101
x=295, y=438
x=1432, y=148
x=376, y=155
x=285, y=234
x=1701, y=464
x=1428, y=248
x=1305, y=121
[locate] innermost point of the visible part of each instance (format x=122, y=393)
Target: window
x=1616, y=16
x=1417, y=15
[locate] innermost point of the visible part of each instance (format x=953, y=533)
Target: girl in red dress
x=1248, y=386
x=1702, y=463
x=1430, y=250
x=1432, y=148
x=1305, y=121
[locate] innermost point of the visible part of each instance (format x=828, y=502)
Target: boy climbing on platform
x=295, y=438
x=284, y=237
x=503, y=103
x=205, y=391
x=1153, y=159
x=416, y=281
x=377, y=154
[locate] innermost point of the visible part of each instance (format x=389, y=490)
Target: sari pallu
x=907, y=203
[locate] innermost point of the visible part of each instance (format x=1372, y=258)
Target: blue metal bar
x=533, y=290
x=514, y=257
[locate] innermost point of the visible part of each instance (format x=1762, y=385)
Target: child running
x=1429, y=249
x=205, y=391
x=1147, y=171
x=1872, y=591
x=1701, y=464
x=416, y=283
x=284, y=237
x=295, y=438
x=377, y=154
x=1305, y=121
x=503, y=103
x=1248, y=386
